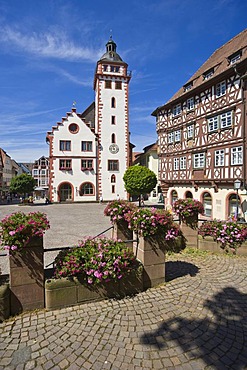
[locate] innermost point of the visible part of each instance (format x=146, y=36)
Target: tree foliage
x=139, y=180
x=22, y=184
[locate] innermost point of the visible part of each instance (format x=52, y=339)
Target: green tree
x=22, y=184
x=139, y=180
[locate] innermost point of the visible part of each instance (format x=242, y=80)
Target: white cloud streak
x=47, y=45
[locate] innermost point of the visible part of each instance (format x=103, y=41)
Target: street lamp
x=237, y=185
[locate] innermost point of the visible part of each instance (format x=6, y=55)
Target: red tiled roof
x=218, y=60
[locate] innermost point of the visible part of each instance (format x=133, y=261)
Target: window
x=86, y=146
x=190, y=103
x=105, y=68
x=219, y=158
x=176, y=164
x=170, y=137
x=207, y=203
x=108, y=84
x=237, y=155
x=43, y=172
x=65, y=164
x=65, y=145
x=199, y=160
x=213, y=123
x=113, y=178
x=113, y=139
x=188, y=86
x=113, y=120
x=43, y=182
x=232, y=205
x=208, y=74
x=190, y=132
x=87, y=189
x=113, y=102
x=113, y=189
x=118, y=85
x=113, y=165
x=114, y=69
x=183, y=163
x=176, y=110
x=220, y=89
x=86, y=164
x=35, y=172
x=226, y=119
x=177, y=136
x=235, y=57
x=174, y=196
x=73, y=128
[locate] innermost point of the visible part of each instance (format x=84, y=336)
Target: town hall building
x=90, y=151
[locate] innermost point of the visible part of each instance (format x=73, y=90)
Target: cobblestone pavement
x=197, y=320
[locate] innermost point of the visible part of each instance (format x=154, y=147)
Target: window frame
x=87, y=165
x=118, y=85
x=63, y=144
x=88, y=144
x=190, y=128
x=170, y=137
x=67, y=164
x=176, y=164
x=219, y=158
x=220, y=89
x=229, y=114
x=85, y=193
x=201, y=159
x=176, y=110
x=213, y=123
x=108, y=84
x=177, y=136
x=113, y=165
x=237, y=155
x=190, y=103
x=182, y=163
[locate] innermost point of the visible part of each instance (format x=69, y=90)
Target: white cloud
x=48, y=45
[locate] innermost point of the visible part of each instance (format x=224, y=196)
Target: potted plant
x=17, y=229
x=116, y=210
x=230, y=235
x=188, y=210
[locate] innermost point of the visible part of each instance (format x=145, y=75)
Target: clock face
x=114, y=148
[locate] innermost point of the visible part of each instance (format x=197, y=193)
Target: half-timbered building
x=202, y=133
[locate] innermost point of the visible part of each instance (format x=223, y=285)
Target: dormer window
x=235, y=57
x=208, y=74
x=188, y=86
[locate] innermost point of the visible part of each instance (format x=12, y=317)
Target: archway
x=207, y=204
x=65, y=192
x=188, y=194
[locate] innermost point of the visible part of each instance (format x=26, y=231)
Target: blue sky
x=49, y=50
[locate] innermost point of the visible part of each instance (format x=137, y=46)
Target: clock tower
x=111, y=85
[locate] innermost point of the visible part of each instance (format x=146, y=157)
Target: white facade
x=89, y=152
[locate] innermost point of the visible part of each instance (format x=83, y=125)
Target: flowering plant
x=188, y=207
x=116, y=209
x=229, y=234
x=148, y=222
x=98, y=260
x=17, y=229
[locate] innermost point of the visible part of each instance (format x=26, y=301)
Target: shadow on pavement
x=176, y=269
x=219, y=340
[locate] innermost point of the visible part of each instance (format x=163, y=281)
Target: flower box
x=73, y=291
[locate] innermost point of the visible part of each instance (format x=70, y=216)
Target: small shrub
x=116, y=209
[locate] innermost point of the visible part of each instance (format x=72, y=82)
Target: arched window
x=188, y=194
x=113, y=102
x=232, y=205
x=87, y=189
x=113, y=139
x=113, y=178
x=174, y=196
x=207, y=203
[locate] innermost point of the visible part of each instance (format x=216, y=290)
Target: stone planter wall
x=4, y=302
x=121, y=231
x=209, y=244
x=150, y=251
x=68, y=292
x=27, y=277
